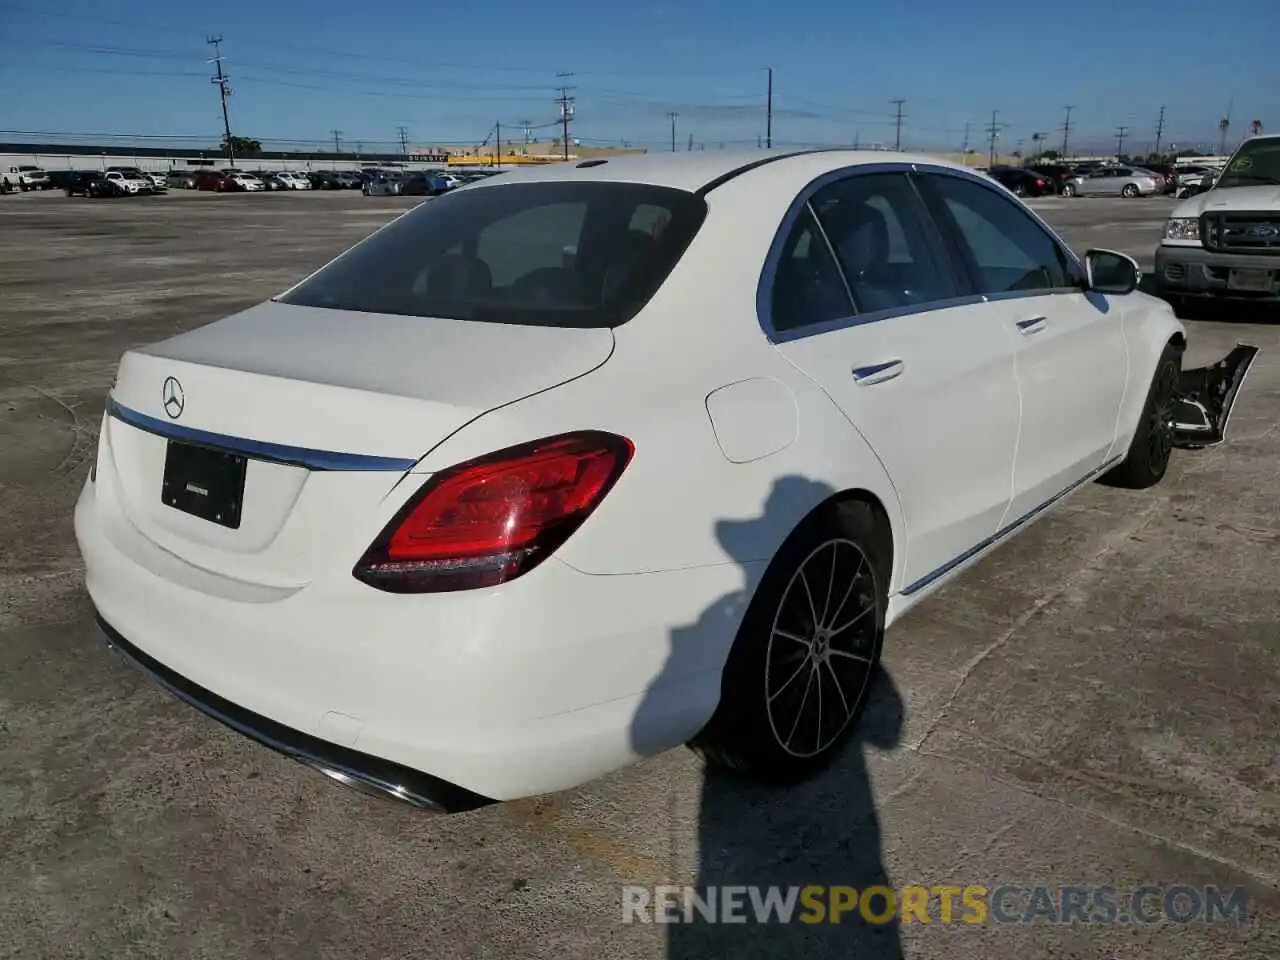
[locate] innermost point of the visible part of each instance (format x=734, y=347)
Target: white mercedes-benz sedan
x=585, y=462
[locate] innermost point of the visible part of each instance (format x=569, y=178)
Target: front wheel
x=801, y=667
x=1068, y=189
x=1130, y=190
x=1148, y=458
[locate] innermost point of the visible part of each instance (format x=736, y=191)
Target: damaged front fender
x=1205, y=397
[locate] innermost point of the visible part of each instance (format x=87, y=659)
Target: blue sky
x=448, y=70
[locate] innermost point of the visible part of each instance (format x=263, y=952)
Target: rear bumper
x=1197, y=272
x=350, y=767
x=533, y=687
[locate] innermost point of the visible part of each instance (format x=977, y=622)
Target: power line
x=897, y=137
x=1066, y=132
x=337, y=140
x=224, y=91
x=402, y=134
x=1121, y=133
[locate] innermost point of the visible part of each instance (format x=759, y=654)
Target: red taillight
x=492, y=519
x=1042, y=183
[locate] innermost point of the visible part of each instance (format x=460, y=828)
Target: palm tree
x=1256, y=127
x=1223, y=125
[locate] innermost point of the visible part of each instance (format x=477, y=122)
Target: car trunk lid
x=312, y=416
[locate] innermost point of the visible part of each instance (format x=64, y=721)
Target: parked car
x=1224, y=243
x=346, y=180
x=1168, y=172
x=294, y=181
x=533, y=601
x=27, y=177
x=243, y=183
x=1057, y=173
x=270, y=180
x=323, y=180
x=383, y=185
x=1023, y=182
x=129, y=183
x=93, y=183
x=1114, y=182
x=1192, y=176
x=211, y=180
x=181, y=179
x=423, y=185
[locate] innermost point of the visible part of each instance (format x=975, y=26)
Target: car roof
x=696, y=170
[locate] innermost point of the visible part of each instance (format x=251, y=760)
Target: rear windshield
x=563, y=254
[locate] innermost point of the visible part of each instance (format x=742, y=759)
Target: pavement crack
x=1119, y=536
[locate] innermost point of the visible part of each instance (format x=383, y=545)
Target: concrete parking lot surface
x=1094, y=705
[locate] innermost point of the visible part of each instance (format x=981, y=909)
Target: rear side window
x=565, y=254
x=1007, y=250
x=883, y=237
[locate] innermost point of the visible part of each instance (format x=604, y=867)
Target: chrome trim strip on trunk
x=257, y=449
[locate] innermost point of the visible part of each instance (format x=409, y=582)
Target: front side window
x=568, y=254
x=1006, y=249
x=884, y=240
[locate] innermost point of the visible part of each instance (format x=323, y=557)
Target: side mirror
x=1112, y=272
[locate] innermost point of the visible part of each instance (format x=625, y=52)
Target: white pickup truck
x=27, y=177
x=1225, y=241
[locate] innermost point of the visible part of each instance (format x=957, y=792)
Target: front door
x=864, y=302
x=1072, y=360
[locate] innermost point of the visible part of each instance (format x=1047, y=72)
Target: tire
x=773, y=730
x=1148, y=458
x=1068, y=189
x=1130, y=190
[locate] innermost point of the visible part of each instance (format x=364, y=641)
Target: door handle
x=1032, y=325
x=877, y=372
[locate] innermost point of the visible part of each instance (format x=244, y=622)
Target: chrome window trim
x=802, y=203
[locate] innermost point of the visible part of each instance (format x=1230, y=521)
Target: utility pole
x=528, y=129
x=1066, y=132
x=768, y=113
x=403, y=134
x=897, y=138
x=1121, y=132
x=1159, y=132
x=964, y=148
x=337, y=140
x=993, y=132
x=497, y=144
x=221, y=79
x=1224, y=125
x=566, y=113
x=690, y=149
x=673, y=115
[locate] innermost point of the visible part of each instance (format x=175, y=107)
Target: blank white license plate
x=1250, y=280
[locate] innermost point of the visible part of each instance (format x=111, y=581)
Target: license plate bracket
x=204, y=482
x=1258, y=281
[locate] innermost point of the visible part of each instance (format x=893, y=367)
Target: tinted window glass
x=1008, y=250
x=571, y=254
x=884, y=240
x=807, y=287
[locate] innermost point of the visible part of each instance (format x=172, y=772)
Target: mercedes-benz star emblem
x=173, y=399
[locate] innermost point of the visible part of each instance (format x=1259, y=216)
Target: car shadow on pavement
x=823, y=832
x=1224, y=311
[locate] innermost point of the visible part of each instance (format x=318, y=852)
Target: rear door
x=1072, y=359
x=863, y=299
